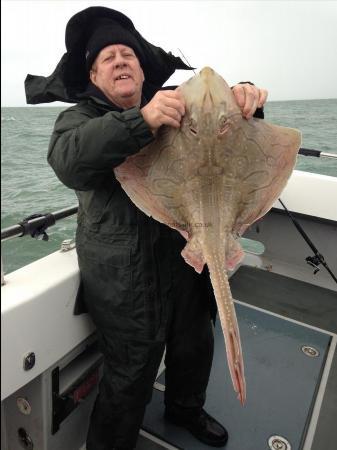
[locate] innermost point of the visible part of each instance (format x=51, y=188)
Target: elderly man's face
x=117, y=73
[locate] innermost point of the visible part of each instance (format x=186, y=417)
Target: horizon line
x=50, y=105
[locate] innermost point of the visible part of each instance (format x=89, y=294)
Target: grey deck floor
x=308, y=304
x=282, y=382
x=301, y=301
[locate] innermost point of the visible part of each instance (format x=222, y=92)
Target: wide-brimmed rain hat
x=84, y=38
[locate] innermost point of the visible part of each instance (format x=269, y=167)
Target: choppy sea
x=30, y=186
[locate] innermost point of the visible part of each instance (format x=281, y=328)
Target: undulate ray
x=210, y=179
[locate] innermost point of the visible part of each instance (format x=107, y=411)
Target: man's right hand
x=165, y=108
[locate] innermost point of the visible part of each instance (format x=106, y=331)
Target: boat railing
x=35, y=226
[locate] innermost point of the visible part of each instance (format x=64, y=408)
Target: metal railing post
x=2, y=273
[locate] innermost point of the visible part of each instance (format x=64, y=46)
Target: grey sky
x=288, y=47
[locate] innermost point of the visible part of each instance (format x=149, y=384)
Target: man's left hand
x=249, y=98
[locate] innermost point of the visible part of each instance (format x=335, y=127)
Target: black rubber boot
x=202, y=426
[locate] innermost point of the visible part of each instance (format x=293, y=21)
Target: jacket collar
x=94, y=93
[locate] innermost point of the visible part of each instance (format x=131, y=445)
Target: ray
x=225, y=172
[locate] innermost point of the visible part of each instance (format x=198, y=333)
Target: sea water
x=30, y=186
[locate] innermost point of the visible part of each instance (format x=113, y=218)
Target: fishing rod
x=36, y=224
x=316, y=153
x=317, y=259
x=182, y=54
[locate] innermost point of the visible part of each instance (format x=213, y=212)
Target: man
x=140, y=293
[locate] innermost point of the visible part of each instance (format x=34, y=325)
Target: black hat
x=107, y=32
x=84, y=40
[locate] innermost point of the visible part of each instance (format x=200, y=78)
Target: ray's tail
x=228, y=320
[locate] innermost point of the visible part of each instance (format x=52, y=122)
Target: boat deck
x=289, y=394
x=281, y=307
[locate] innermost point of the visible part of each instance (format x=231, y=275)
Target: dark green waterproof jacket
x=127, y=260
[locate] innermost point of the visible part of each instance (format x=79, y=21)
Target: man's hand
x=249, y=98
x=165, y=108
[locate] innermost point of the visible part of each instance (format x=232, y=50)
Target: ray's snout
x=206, y=72
x=206, y=75
x=205, y=90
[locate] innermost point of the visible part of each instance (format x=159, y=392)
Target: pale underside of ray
x=211, y=190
